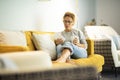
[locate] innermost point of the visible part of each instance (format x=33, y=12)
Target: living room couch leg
x=99, y=76
x=116, y=72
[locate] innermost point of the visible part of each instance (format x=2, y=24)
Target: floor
x=109, y=75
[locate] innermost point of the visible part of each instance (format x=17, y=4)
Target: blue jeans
x=76, y=52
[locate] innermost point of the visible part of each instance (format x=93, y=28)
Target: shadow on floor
x=109, y=75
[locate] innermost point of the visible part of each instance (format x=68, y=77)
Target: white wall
x=54, y=10
x=108, y=11
x=43, y=15
x=17, y=14
x=49, y=15
x=87, y=11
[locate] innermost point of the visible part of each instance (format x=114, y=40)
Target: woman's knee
x=67, y=46
x=80, y=54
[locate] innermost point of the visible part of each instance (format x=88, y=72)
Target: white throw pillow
x=45, y=43
x=12, y=38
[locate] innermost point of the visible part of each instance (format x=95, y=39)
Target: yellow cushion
x=5, y=48
x=93, y=60
x=63, y=65
x=90, y=48
x=29, y=40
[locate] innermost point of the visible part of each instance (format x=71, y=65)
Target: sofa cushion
x=5, y=48
x=29, y=40
x=12, y=41
x=45, y=43
x=15, y=38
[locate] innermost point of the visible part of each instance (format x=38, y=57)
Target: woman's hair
x=69, y=14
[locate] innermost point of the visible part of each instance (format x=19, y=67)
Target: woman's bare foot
x=64, y=55
x=71, y=62
x=60, y=60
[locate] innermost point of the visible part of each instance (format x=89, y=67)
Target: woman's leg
x=58, y=50
x=78, y=52
x=64, y=55
x=64, y=51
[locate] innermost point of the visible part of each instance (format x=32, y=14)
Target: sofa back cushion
x=12, y=41
x=15, y=38
x=44, y=41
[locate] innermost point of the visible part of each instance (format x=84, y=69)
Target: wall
x=43, y=15
x=108, y=12
x=83, y=9
x=17, y=14
x=87, y=11
x=49, y=14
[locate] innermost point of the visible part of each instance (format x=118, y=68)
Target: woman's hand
x=76, y=42
x=59, y=41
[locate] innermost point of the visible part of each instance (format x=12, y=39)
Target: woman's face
x=68, y=23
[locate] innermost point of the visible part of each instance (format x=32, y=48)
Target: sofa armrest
x=103, y=47
x=90, y=48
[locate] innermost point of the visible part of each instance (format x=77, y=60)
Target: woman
x=72, y=43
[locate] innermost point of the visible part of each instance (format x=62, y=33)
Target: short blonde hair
x=69, y=14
